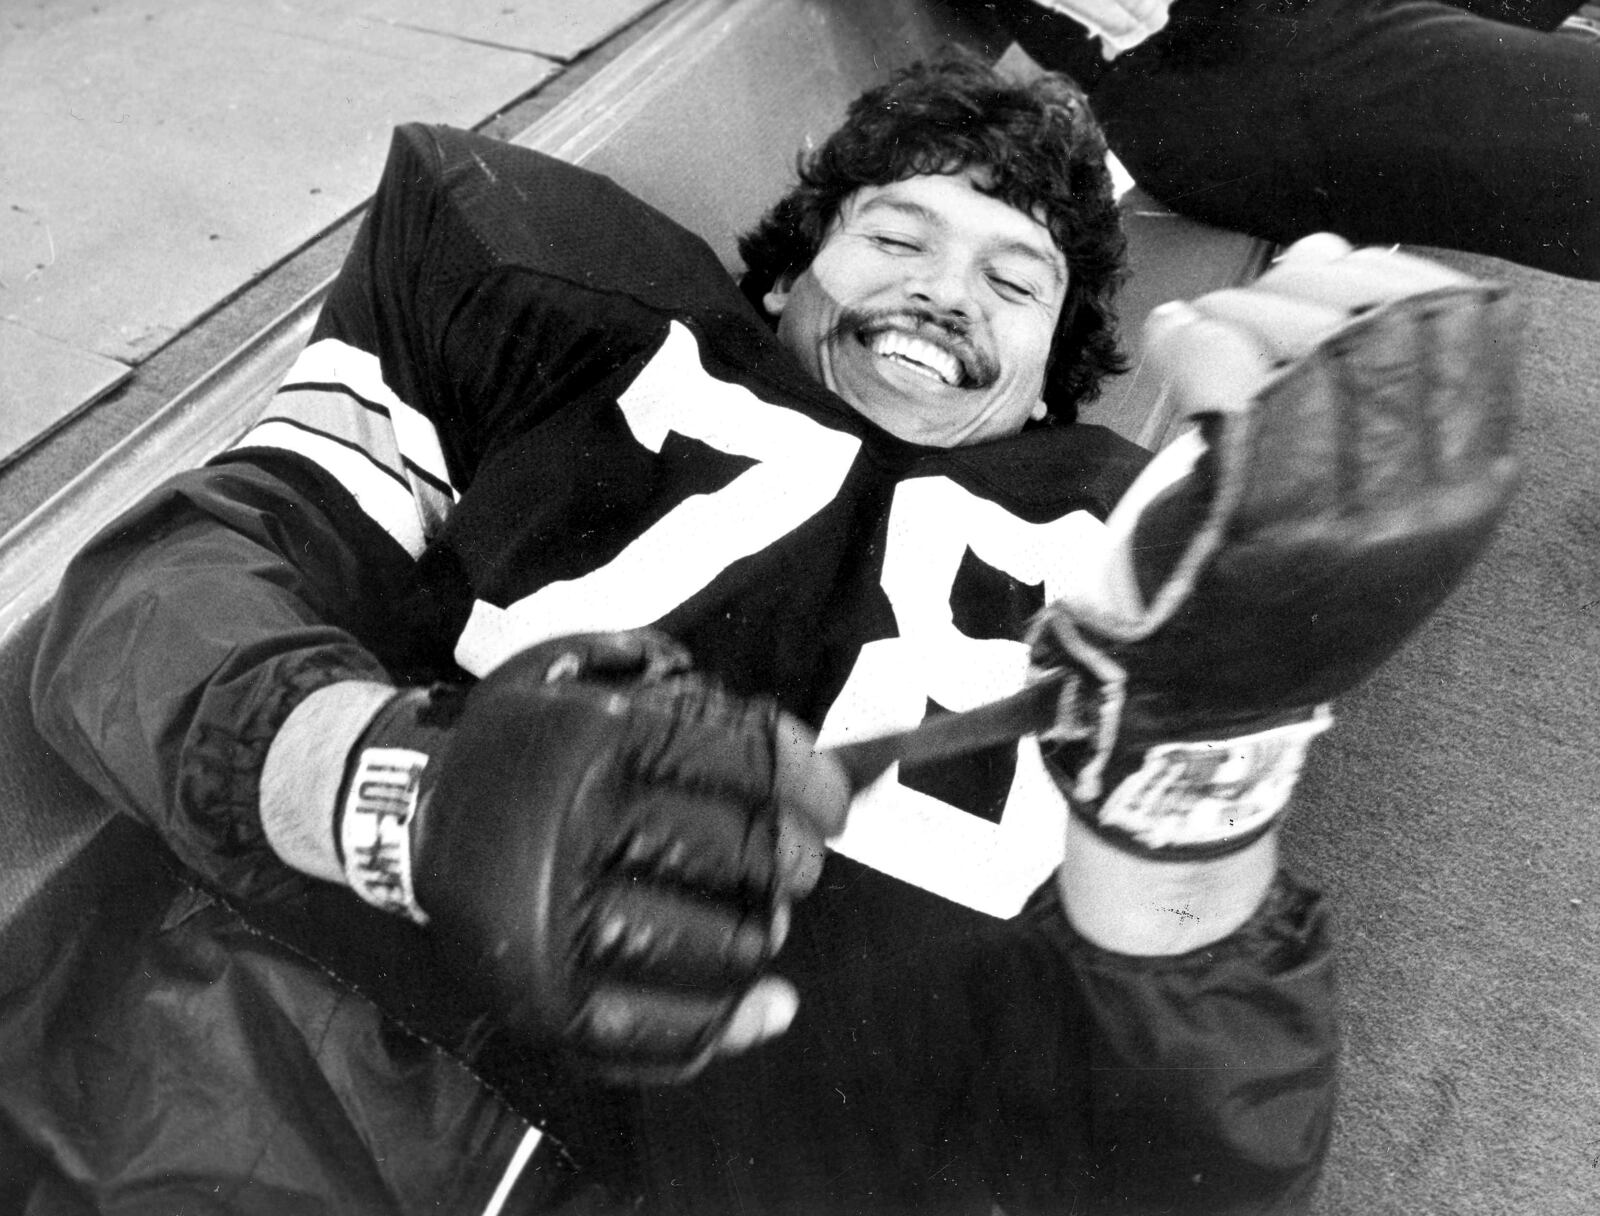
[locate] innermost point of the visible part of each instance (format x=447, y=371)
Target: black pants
x=1468, y=126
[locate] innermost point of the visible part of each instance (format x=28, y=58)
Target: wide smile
x=917, y=354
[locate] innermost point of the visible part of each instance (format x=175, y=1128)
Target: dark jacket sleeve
x=1202, y=1083
x=463, y=315
x=1017, y=1067
x=182, y=637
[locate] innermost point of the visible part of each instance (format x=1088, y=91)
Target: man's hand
x=1351, y=456
x=1119, y=24
x=610, y=846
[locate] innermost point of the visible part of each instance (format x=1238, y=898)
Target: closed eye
x=1012, y=289
x=897, y=244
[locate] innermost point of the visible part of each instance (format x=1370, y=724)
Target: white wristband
x=1206, y=793
x=304, y=769
x=375, y=830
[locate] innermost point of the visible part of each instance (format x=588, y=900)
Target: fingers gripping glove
x=1349, y=459
x=601, y=853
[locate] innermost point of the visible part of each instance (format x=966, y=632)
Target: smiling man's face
x=930, y=308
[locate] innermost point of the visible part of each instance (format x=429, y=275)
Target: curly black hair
x=1039, y=149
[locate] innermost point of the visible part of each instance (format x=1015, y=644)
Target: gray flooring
x=157, y=156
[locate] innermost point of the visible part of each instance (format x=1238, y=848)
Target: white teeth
x=917, y=353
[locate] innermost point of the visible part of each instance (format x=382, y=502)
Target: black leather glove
x=1351, y=458
x=608, y=844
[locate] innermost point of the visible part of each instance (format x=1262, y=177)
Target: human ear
x=778, y=297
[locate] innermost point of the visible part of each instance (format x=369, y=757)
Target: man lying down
x=497, y=695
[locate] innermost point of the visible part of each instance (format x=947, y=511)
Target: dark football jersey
x=555, y=399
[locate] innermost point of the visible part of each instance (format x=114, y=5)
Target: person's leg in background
x=1414, y=122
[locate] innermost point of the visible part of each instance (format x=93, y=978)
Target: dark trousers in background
x=1468, y=126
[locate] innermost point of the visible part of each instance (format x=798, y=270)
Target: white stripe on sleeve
x=331, y=361
x=387, y=501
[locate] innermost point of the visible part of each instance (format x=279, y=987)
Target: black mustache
x=978, y=369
